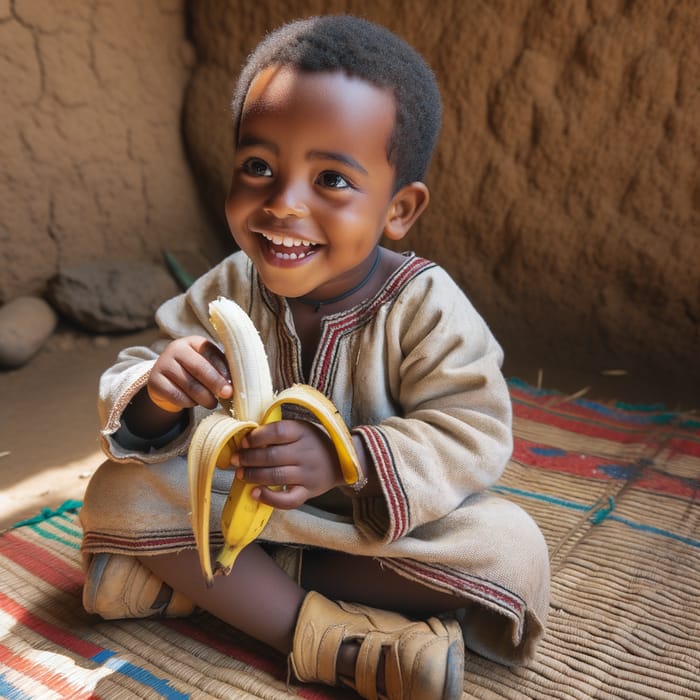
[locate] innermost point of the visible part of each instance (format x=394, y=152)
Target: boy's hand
x=191, y=371
x=291, y=453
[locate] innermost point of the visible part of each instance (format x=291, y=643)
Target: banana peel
x=219, y=434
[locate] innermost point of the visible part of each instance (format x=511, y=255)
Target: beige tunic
x=415, y=372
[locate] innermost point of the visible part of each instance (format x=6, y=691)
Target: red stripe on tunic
x=384, y=464
x=347, y=323
x=460, y=582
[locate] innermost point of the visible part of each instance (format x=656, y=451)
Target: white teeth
x=290, y=256
x=287, y=241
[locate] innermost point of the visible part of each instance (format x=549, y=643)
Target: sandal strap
x=119, y=586
x=367, y=665
x=423, y=660
x=325, y=641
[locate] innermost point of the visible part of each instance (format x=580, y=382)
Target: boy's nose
x=286, y=201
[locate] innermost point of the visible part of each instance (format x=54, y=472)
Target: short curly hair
x=370, y=52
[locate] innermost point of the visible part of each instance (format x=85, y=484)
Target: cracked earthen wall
x=566, y=187
x=565, y=190
x=92, y=163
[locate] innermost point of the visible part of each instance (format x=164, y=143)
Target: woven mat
x=616, y=491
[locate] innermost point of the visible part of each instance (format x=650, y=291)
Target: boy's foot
x=119, y=586
x=398, y=658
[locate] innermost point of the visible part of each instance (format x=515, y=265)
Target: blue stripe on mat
x=57, y=538
x=59, y=527
x=635, y=414
x=60, y=524
x=541, y=497
x=9, y=691
x=597, y=511
x=162, y=686
x=655, y=530
x=70, y=506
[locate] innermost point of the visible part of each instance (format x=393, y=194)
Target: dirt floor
x=48, y=420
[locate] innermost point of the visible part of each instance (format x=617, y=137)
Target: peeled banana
x=220, y=433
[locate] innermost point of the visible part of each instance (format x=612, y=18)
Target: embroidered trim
x=399, y=511
x=343, y=324
x=494, y=596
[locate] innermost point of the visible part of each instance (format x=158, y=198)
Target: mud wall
x=92, y=158
x=566, y=188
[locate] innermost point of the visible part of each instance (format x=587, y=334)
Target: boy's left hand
x=291, y=453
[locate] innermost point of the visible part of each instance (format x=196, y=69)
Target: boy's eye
x=257, y=168
x=333, y=180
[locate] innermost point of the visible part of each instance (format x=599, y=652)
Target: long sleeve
x=417, y=374
x=183, y=315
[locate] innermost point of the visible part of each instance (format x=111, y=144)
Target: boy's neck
x=318, y=303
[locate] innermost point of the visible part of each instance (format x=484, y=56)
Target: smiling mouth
x=288, y=247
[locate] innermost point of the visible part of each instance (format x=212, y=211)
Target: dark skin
x=311, y=196
x=180, y=380
x=302, y=443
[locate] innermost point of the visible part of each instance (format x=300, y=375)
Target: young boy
x=335, y=123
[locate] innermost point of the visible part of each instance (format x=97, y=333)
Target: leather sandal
x=119, y=586
x=423, y=660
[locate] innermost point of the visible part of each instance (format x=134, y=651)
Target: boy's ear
x=406, y=206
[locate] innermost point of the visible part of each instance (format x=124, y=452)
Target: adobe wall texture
x=566, y=188
x=92, y=162
x=565, y=191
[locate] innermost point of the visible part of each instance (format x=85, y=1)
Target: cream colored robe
x=415, y=372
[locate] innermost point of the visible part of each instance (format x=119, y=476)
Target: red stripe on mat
x=50, y=679
x=682, y=445
x=669, y=485
x=190, y=630
x=559, y=460
x=42, y=563
x=54, y=634
x=615, y=431
x=637, y=474
x=276, y=670
x=69, y=579
x=594, y=411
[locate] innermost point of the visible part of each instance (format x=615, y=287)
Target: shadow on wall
x=565, y=192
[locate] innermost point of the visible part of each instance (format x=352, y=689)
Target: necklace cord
x=317, y=304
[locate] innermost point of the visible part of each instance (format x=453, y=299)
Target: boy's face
x=312, y=186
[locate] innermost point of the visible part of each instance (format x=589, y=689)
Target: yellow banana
x=219, y=434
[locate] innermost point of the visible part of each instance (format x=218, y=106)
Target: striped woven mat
x=615, y=489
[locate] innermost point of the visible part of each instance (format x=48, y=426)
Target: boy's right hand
x=191, y=371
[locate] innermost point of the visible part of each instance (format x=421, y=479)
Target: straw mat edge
x=615, y=489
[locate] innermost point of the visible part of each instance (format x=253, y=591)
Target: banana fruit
x=220, y=433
